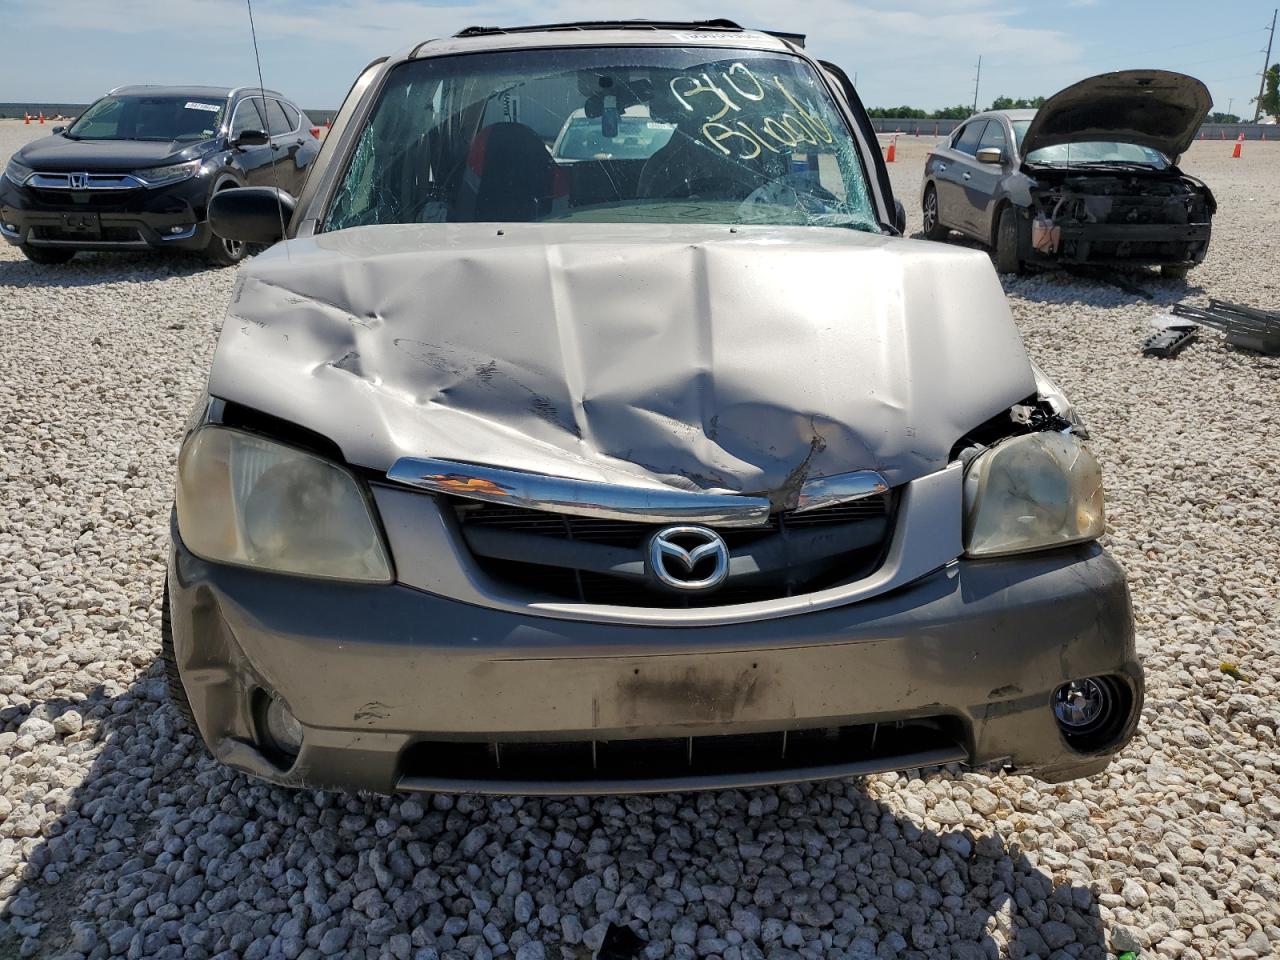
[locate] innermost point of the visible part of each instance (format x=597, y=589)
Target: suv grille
x=799, y=553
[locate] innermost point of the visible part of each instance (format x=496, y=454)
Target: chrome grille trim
x=607, y=501
x=583, y=498
x=92, y=181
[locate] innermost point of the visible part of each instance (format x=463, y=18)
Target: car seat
x=509, y=176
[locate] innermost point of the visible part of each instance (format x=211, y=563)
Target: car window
x=639, y=137
x=290, y=114
x=726, y=136
x=277, y=123
x=994, y=136
x=150, y=117
x=248, y=117
x=1098, y=152
x=1020, y=130
x=967, y=142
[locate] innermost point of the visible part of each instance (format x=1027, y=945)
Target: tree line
x=1270, y=105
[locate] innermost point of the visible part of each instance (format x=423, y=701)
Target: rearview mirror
x=991, y=155
x=251, y=214
x=56, y=130
x=250, y=138
x=900, y=218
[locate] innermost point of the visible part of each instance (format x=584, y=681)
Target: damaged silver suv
x=668, y=466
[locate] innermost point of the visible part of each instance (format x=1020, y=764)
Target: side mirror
x=991, y=155
x=250, y=138
x=57, y=129
x=251, y=214
x=900, y=218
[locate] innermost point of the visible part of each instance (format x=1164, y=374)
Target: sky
x=920, y=53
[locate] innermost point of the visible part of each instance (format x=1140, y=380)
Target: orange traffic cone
x=1235, y=154
x=893, y=144
x=42, y=118
x=26, y=119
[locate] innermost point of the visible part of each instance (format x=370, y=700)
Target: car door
x=950, y=166
x=287, y=138
x=254, y=161
x=985, y=178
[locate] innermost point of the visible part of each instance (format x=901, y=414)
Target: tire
x=1007, y=241
x=933, y=226
x=46, y=255
x=224, y=253
x=173, y=680
x=1172, y=271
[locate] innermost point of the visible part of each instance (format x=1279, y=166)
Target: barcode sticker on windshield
x=211, y=107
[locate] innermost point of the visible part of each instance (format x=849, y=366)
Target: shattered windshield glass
x=609, y=135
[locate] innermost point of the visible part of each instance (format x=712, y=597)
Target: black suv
x=138, y=167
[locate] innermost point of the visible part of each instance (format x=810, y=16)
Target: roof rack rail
x=718, y=24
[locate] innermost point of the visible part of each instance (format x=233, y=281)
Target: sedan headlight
x=1030, y=493
x=160, y=176
x=256, y=503
x=17, y=172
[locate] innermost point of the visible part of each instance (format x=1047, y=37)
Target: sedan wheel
x=933, y=228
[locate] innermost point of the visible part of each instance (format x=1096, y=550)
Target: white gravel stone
x=118, y=834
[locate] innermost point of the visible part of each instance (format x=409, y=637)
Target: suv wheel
x=933, y=228
x=225, y=253
x=47, y=255
x=1007, y=241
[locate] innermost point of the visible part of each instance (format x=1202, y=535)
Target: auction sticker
x=210, y=107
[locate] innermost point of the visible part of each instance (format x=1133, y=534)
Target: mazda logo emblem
x=688, y=558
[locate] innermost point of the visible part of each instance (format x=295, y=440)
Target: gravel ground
x=119, y=838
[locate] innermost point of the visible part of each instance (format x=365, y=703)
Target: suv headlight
x=17, y=172
x=1030, y=493
x=160, y=176
x=252, y=502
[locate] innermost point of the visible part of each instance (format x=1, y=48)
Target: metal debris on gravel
x=118, y=837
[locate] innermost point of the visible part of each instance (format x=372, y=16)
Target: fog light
x=283, y=728
x=1081, y=704
x=178, y=228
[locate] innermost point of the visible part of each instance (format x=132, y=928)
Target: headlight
x=1032, y=492
x=17, y=172
x=255, y=503
x=159, y=176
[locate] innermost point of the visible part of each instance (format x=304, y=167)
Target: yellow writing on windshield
x=750, y=135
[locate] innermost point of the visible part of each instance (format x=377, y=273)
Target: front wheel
x=46, y=255
x=1007, y=242
x=225, y=253
x=933, y=227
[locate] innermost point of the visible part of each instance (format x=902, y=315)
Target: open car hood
x=1152, y=108
x=688, y=357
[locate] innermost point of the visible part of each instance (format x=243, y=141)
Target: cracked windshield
x=608, y=135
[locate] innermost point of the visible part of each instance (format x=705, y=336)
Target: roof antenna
x=262, y=90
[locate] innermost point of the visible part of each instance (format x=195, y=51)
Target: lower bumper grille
x=676, y=762
x=105, y=235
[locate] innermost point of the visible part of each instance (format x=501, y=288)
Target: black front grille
x=105, y=235
x=793, y=532
x=724, y=755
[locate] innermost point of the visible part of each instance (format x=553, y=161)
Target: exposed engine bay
x=1071, y=213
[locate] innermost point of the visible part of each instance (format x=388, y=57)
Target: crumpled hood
x=1152, y=108
x=700, y=357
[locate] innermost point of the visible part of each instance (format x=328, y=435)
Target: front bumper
x=131, y=220
x=1174, y=244
x=397, y=689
